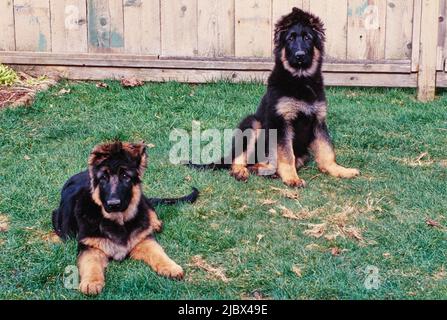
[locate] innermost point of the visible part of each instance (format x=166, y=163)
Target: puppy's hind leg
x=153, y=254
x=325, y=155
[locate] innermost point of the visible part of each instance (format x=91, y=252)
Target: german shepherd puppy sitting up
x=294, y=105
x=106, y=210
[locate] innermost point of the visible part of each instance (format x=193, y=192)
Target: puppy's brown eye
x=125, y=176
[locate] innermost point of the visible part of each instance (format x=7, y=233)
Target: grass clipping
x=341, y=224
x=213, y=272
x=338, y=225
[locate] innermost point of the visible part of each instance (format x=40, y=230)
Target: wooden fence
x=398, y=43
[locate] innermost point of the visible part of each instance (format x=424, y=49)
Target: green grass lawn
x=270, y=241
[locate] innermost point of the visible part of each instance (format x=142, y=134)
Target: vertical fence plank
x=428, y=55
x=399, y=27
x=142, y=26
x=253, y=28
x=306, y=4
x=442, y=41
x=444, y=35
x=32, y=25
x=105, y=26
x=216, y=28
x=334, y=14
x=68, y=25
x=7, y=34
x=179, y=27
x=366, y=29
x=416, y=38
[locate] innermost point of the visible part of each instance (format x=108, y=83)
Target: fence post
x=428, y=50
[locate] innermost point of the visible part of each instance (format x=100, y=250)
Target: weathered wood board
x=253, y=25
x=215, y=28
x=68, y=26
x=179, y=28
x=32, y=25
x=399, y=29
x=7, y=34
x=142, y=27
x=336, y=25
x=105, y=26
x=366, y=29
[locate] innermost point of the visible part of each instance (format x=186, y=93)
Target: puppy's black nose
x=113, y=202
x=300, y=54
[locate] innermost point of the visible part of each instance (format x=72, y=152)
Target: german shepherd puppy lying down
x=106, y=210
x=294, y=105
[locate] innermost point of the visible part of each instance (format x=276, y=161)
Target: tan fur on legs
x=156, y=224
x=91, y=264
x=325, y=159
x=153, y=254
x=286, y=162
x=263, y=169
x=287, y=170
x=239, y=168
x=239, y=172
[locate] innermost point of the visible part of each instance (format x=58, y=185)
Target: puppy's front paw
x=156, y=224
x=342, y=172
x=240, y=173
x=350, y=173
x=295, y=183
x=91, y=287
x=171, y=270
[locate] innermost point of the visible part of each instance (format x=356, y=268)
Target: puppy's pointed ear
x=98, y=154
x=296, y=10
x=135, y=150
x=140, y=148
x=138, y=152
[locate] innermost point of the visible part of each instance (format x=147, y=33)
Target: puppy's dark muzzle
x=300, y=56
x=113, y=204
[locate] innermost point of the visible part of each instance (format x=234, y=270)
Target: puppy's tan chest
x=114, y=250
x=289, y=108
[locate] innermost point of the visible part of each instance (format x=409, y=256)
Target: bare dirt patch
x=24, y=90
x=41, y=235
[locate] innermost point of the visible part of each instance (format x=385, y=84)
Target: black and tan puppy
x=294, y=105
x=106, y=210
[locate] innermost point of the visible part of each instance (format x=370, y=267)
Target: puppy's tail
x=190, y=198
x=221, y=165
